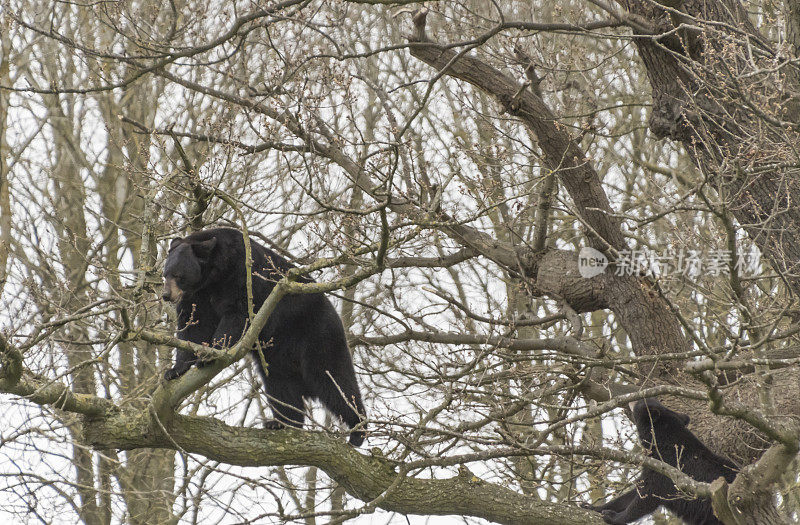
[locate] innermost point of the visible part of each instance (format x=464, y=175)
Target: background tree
x=438, y=173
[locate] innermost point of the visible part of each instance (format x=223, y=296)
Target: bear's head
x=186, y=267
x=651, y=417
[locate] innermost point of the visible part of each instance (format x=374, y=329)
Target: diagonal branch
x=561, y=154
x=367, y=477
x=646, y=316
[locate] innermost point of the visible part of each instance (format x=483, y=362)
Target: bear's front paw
x=273, y=424
x=357, y=438
x=173, y=373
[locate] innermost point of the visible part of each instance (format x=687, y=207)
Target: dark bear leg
x=183, y=362
x=284, y=395
x=340, y=395
x=617, y=504
x=196, y=323
x=637, y=508
x=286, y=401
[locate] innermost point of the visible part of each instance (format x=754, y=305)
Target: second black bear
x=303, y=342
x=664, y=435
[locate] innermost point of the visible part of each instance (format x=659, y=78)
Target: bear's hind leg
x=638, y=507
x=340, y=395
x=617, y=504
x=286, y=401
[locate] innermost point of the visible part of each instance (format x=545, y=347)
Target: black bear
x=303, y=342
x=664, y=435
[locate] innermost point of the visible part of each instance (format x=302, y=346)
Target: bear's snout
x=171, y=292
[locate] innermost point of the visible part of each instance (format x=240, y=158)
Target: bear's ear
x=176, y=241
x=654, y=410
x=684, y=419
x=203, y=249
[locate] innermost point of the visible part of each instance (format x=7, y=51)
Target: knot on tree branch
x=530, y=70
x=751, y=492
x=668, y=119
x=419, y=19
x=10, y=364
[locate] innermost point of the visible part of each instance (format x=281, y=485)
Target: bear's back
x=268, y=266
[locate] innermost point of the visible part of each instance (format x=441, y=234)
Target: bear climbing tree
x=664, y=436
x=303, y=342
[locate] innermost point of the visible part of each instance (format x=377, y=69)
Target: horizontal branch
x=745, y=366
x=207, y=353
x=58, y=395
x=159, y=60
x=16, y=380
x=200, y=137
x=444, y=261
x=564, y=344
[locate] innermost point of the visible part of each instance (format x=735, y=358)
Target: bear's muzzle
x=171, y=291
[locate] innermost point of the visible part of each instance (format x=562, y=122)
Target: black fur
x=303, y=340
x=664, y=435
